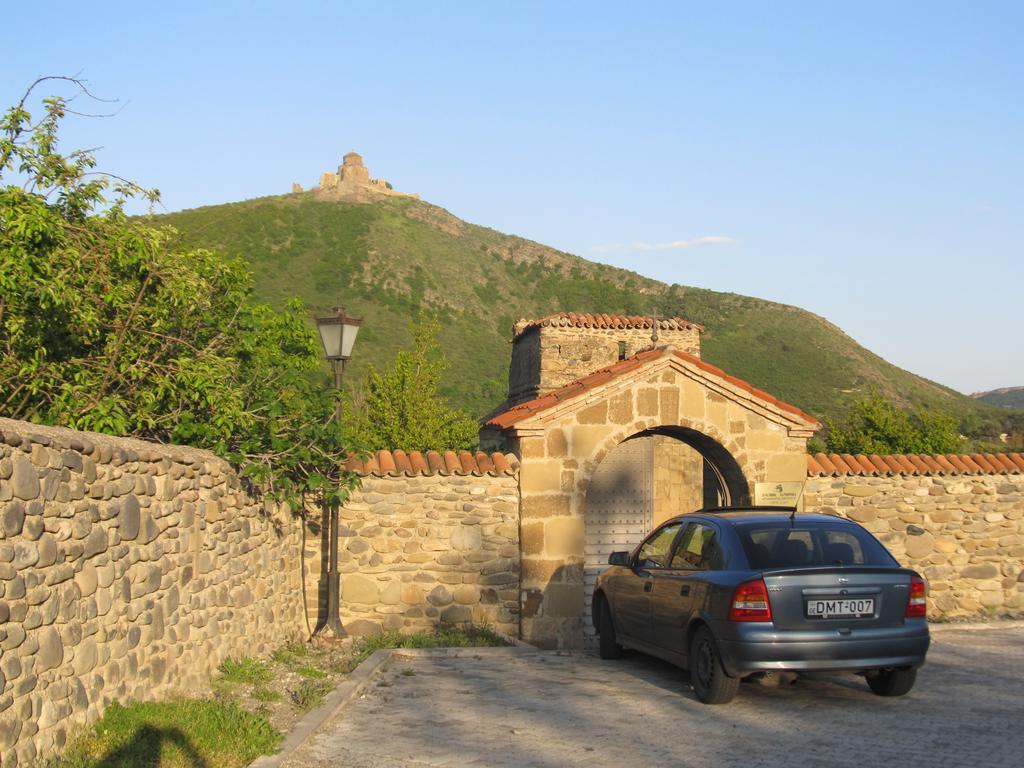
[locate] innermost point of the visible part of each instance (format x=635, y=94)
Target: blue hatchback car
x=737, y=592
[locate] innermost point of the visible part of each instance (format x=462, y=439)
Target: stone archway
x=562, y=437
x=642, y=481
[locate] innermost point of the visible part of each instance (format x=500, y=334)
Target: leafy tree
x=873, y=425
x=401, y=407
x=107, y=324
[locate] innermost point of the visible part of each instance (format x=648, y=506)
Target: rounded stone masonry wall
x=418, y=550
x=964, y=533
x=128, y=571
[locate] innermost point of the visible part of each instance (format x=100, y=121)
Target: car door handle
x=647, y=586
x=684, y=590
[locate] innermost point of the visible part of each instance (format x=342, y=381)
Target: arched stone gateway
x=742, y=435
x=644, y=480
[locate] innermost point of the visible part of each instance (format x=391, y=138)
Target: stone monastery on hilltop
x=351, y=182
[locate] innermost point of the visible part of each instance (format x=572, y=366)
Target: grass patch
x=470, y=636
x=223, y=691
x=219, y=731
x=442, y=637
x=309, y=694
x=292, y=655
x=245, y=670
x=180, y=733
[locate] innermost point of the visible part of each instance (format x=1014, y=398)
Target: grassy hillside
x=383, y=260
x=1007, y=397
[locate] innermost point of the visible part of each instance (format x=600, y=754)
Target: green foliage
x=172, y=734
x=401, y=408
x=109, y=324
x=245, y=670
x=265, y=694
x=308, y=670
x=873, y=425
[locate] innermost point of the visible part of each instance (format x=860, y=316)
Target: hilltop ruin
x=351, y=182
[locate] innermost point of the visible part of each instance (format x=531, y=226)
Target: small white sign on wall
x=785, y=494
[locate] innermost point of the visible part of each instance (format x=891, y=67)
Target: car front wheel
x=608, y=647
x=892, y=682
x=707, y=676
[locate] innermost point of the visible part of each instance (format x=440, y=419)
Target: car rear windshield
x=798, y=544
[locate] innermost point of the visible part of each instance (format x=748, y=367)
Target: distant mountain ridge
x=1005, y=397
x=385, y=258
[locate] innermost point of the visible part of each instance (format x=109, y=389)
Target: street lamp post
x=338, y=334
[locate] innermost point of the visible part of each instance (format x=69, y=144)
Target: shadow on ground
x=147, y=747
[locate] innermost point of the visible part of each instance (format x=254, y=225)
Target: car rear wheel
x=892, y=682
x=707, y=676
x=608, y=647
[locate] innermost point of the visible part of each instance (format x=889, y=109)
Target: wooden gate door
x=618, y=513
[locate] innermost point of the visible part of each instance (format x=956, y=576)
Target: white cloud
x=674, y=245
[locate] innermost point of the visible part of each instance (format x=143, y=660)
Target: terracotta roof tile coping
x=580, y=320
x=525, y=410
x=827, y=465
x=814, y=469
x=1015, y=460
x=418, y=464
x=985, y=464
x=865, y=464
x=834, y=465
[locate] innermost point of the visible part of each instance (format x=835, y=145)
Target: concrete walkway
x=509, y=707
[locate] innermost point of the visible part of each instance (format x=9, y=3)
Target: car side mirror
x=618, y=558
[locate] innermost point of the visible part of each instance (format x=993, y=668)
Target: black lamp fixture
x=338, y=335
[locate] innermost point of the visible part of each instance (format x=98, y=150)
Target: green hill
x=1007, y=397
x=382, y=260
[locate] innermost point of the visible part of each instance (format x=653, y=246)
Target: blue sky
x=861, y=160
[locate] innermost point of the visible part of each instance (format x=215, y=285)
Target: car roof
x=763, y=515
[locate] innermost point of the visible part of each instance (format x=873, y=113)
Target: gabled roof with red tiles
x=523, y=411
x=874, y=465
x=417, y=463
x=576, y=320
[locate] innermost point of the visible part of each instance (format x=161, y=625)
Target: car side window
x=698, y=549
x=655, y=551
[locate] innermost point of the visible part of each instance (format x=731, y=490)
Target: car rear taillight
x=917, y=606
x=750, y=602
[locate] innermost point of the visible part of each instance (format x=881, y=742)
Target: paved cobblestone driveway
x=542, y=709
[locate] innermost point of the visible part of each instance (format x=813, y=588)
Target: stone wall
x=426, y=545
x=964, y=533
x=128, y=570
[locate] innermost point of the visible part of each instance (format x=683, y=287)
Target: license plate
x=841, y=608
